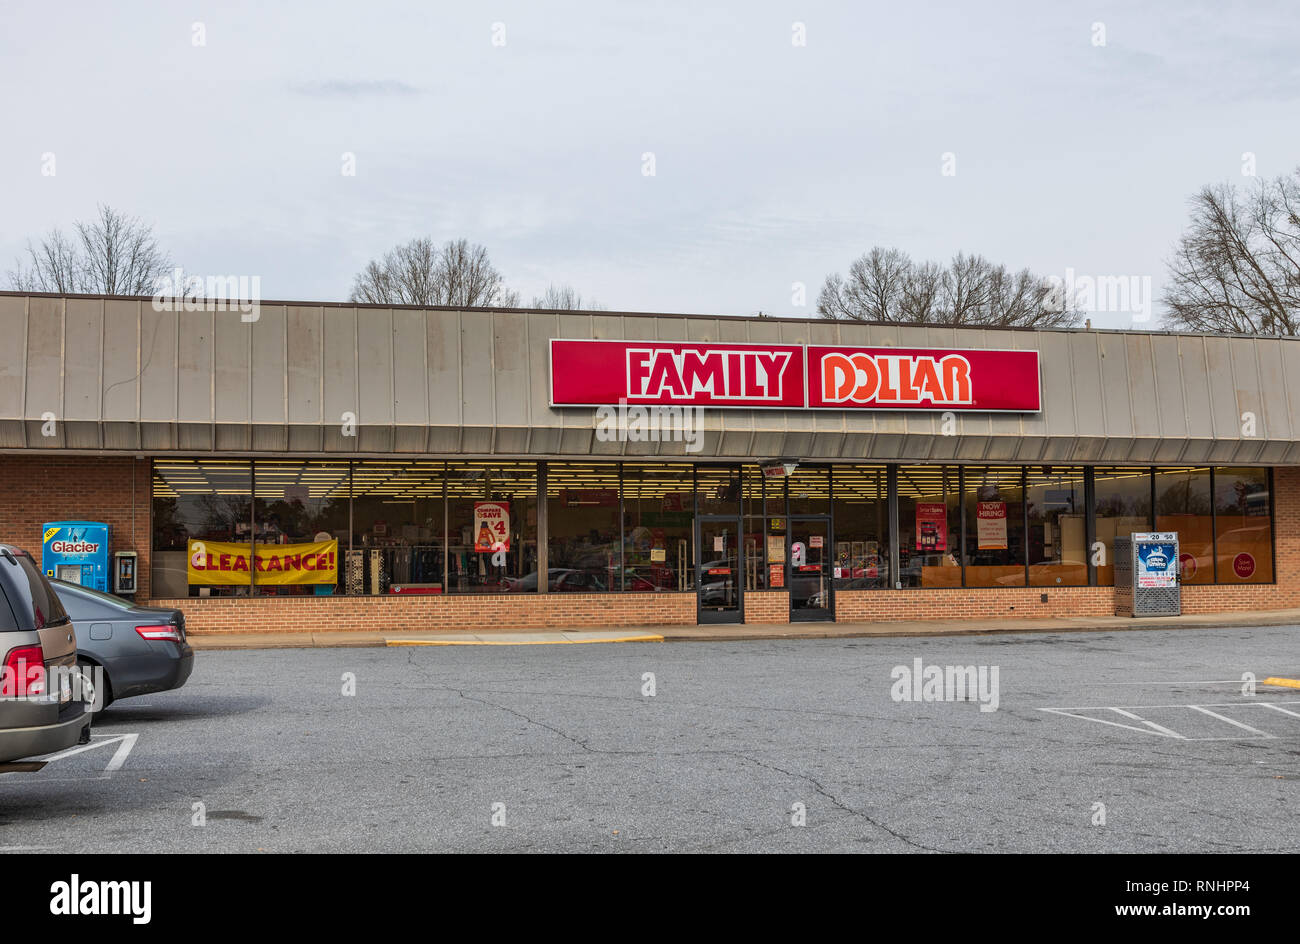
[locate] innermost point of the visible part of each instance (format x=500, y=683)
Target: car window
x=7, y=622
x=85, y=603
x=32, y=599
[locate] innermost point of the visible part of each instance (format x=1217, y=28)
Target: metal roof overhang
x=119, y=377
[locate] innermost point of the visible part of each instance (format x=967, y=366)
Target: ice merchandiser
x=78, y=552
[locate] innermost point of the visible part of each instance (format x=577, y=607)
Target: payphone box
x=124, y=566
x=77, y=551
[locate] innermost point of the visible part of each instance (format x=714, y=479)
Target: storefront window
x=753, y=489
x=582, y=516
x=1122, y=505
x=1183, y=504
x=929, y=525
x=492, y=527
x=756, y=493
x=717, y=490
x=1243, y=526
x=657, y=527
x=809, y=489
x=775, y=565
x=752, y=541
x=774, y=496
x=861, y=559
x=373, y=527
x=1057, y=538
x=397, y=529
x=202, y=528
x=995, y=527
x=300, y=515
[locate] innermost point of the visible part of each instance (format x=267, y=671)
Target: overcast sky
x=775, y=163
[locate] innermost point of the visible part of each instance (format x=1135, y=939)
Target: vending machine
x=1147, y=577
x=78, y=552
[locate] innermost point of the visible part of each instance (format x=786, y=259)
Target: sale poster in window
x=775, y=549
x=491, y=525
x=931, y=526
x=991, y=525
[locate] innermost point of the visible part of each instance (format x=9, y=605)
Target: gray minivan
x=39, y=709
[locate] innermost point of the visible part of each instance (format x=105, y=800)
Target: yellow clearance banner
x=218, y=563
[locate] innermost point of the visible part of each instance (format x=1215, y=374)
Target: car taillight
x=24, y=673
x=159, y=632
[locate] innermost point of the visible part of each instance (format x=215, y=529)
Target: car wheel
x=99, y=700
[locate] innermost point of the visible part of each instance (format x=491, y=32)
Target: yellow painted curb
x=1283, y=682
x=540, y=642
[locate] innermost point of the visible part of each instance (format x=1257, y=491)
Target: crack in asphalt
x=838, y=803
x=523, y=717
x=816, y=784
x=765, y=833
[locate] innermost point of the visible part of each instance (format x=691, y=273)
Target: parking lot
x=1124, y=742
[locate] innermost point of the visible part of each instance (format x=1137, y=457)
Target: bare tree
x=872, y=291
x=1236, y=268
x=458, y=273
x=886, y=285
x=964, y=290
x=55, y=266
x=564, y=298
x=407, y=275
x=114, y=254
x=121, y=256
x=469, y=278
x=922, y=286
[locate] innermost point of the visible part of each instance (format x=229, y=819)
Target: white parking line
x=1158, y=727
x=1245, y=727
x=125, y=744
x=1269, y=704
x=1133, y=713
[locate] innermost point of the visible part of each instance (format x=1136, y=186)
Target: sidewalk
x=730, y=633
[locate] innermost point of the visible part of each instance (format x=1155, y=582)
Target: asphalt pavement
x=1100, y=742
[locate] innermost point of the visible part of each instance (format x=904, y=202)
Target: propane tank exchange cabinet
x=1147, y=575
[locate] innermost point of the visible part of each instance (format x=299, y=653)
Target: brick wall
x=767, y=606
x=854, y=606
x=44, y=488
x=468, y=612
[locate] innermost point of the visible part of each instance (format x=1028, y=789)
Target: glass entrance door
x=811, y=593
x=720, y=569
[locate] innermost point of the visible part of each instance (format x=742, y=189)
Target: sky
x=1073, y=134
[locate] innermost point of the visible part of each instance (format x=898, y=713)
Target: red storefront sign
x=792, y=376
x=655, y=373
x=892, y=378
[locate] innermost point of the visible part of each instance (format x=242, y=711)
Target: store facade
x=341, y=467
